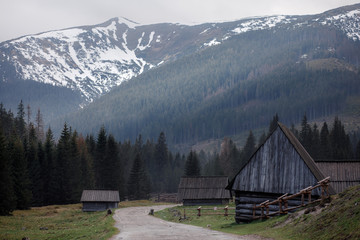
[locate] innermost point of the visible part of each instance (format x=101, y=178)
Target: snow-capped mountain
x=94, y=59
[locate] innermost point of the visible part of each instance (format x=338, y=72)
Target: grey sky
x=23, y=17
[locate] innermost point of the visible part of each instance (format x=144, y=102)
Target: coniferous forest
x=37, y=170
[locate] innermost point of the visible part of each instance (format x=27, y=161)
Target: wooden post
x=302, y=199
x=280, y=207
x=309, y=198
x=267, y=210
x=199, y=211
x=226, y=211
x=184, y=214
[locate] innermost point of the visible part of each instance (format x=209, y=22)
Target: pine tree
x=20, y=174
x=7, y=200
x=306, y=134
x=340, y=141
x=113, y=176
x=161, y=163
x=74, y=168
x=324, y=151
x=99, y=161
x=315, y=146
x=249, y=147
x=192, y=165
x=62, y=171
x=49, y=172
x=138, y=184
x=20, y=121
x=34, y=168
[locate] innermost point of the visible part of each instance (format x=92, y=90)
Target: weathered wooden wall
x=342, y=174
x=98, y=206
x=276, y=167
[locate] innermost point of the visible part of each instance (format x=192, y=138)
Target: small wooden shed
x=203, y=190
x=343, y=174
x=99, y=200
x=280, y=165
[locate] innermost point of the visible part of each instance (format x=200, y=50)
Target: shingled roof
x=204, y=187
x=100, y=196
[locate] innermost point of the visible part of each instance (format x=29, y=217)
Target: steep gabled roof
x=302, y=152
x=204, y=187
x=304, y=155
x=100, y=196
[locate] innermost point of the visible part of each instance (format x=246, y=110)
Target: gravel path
x=134, y=223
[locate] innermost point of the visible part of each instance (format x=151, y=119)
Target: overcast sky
x=23, y=17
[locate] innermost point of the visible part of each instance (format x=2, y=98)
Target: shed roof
x=204, y=187
x=100, y=196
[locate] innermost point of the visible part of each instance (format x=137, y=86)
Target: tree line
x=37, y=170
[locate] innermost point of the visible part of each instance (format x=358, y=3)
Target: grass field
x=57, y=222
x=61, y=222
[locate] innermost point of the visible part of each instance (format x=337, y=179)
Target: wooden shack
x=203, y=190
x=99, y=200
x=280, y=165
x=343, y=174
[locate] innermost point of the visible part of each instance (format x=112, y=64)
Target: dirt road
x=135, y=224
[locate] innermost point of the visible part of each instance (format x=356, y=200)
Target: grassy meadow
x=57, y=222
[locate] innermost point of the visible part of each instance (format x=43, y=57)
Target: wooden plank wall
x=342, y=174
x=275, y=168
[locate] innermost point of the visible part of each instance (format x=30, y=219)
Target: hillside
x=235, y=86
x=338, y=219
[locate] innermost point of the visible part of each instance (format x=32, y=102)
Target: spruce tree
x=138, y=186
x=340, y=141
x=324, y=151
x=161, y=163
x=306, y=134
x=62, y=171
x=192, y=165
x=49, y=172
x=20, y=173
x=7, y=199
x=100, y=159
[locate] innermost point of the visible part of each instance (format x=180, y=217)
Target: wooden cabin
x=343, y=174
x=99, y=200
x=280, y=165
x=203, y=190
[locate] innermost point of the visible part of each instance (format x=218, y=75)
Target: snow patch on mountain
x=261, y=24
x=348, y=22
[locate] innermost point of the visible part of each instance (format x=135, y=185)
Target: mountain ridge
x=235, y=54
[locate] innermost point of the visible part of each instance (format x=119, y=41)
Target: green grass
x=339, y=220
x=57, y=222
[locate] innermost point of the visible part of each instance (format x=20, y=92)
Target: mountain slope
x=236, y=85
x=195, y=82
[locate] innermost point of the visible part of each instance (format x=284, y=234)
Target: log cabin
x=281, y=165
x=203, y=190
x=99, y=200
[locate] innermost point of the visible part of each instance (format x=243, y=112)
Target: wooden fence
x=282, y=201
x=208, y=211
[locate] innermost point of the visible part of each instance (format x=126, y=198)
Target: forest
x=231, y=88
x=37, y=170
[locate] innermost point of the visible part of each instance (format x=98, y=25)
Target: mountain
x=194, y=82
